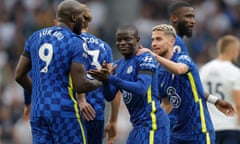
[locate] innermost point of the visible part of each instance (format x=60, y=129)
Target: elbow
x=17, y=77
x=109, y=97
x=178, y=71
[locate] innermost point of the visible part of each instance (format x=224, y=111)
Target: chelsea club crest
x=129, y=69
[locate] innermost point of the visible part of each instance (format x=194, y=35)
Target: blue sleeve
x=79, y=48
x=30, y=42
x=185, y=59
x=139, y=87
x=109, y=91
x=109, y=53
x=27, y=97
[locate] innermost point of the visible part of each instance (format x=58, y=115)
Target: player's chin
x=156, y=51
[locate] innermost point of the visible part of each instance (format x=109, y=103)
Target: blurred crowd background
x=19, y=18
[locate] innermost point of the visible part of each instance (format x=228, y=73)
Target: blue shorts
x=143, y=135
x=95, y=131
x=57, y=130
x=202, y=138
x=228, y=137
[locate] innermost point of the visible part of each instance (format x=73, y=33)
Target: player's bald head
x=67, y=9
x=129, y=29
x=174, y=8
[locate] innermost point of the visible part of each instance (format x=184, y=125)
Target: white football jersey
x=220, y=78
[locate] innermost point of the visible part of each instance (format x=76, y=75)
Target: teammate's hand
x=142, y=50
x=87, y=111
x=225, y=107
x=111, y=131
x=26, y=114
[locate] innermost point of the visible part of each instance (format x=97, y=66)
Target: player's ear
x=138, y=39
x=172, y=40
x=73, y=18
x=173, y=18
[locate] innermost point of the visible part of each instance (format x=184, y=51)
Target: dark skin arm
x=111, y=127
x=21, y=72
x=80, y=83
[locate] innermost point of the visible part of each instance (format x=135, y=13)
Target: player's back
x=98, y=52
x=52, y=50
x=221, y=78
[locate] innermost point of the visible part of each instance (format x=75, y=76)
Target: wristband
x=212, y=99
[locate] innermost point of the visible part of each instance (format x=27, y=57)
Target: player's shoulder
x=146, y=60
x=181, y=56
x=179, y=45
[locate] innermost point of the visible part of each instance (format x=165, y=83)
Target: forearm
x=115, y=104
x=87, y=85
x=173, y=67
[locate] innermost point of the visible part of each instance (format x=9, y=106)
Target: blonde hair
x=224, y=42
x=167, y=29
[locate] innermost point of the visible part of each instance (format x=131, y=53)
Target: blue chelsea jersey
x=180, y=46
x=52, y=50
x=144, y=111
x=186, y=95
x=98, y=51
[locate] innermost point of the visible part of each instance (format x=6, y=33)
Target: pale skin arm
x=173, y=67
x=236, y=97
x=111, y=126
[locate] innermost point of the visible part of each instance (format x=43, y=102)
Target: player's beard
x=183, y=30
x=78, y=26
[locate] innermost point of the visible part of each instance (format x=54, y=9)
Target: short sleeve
x=29, y=43
x=109, y=53
x=185, y=59
x=79, y=49
x=147, y=62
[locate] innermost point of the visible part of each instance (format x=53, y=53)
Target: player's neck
x=224, y=58
x=84, y=30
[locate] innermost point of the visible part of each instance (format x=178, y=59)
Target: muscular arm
x=21, y=72
x=80, y=83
